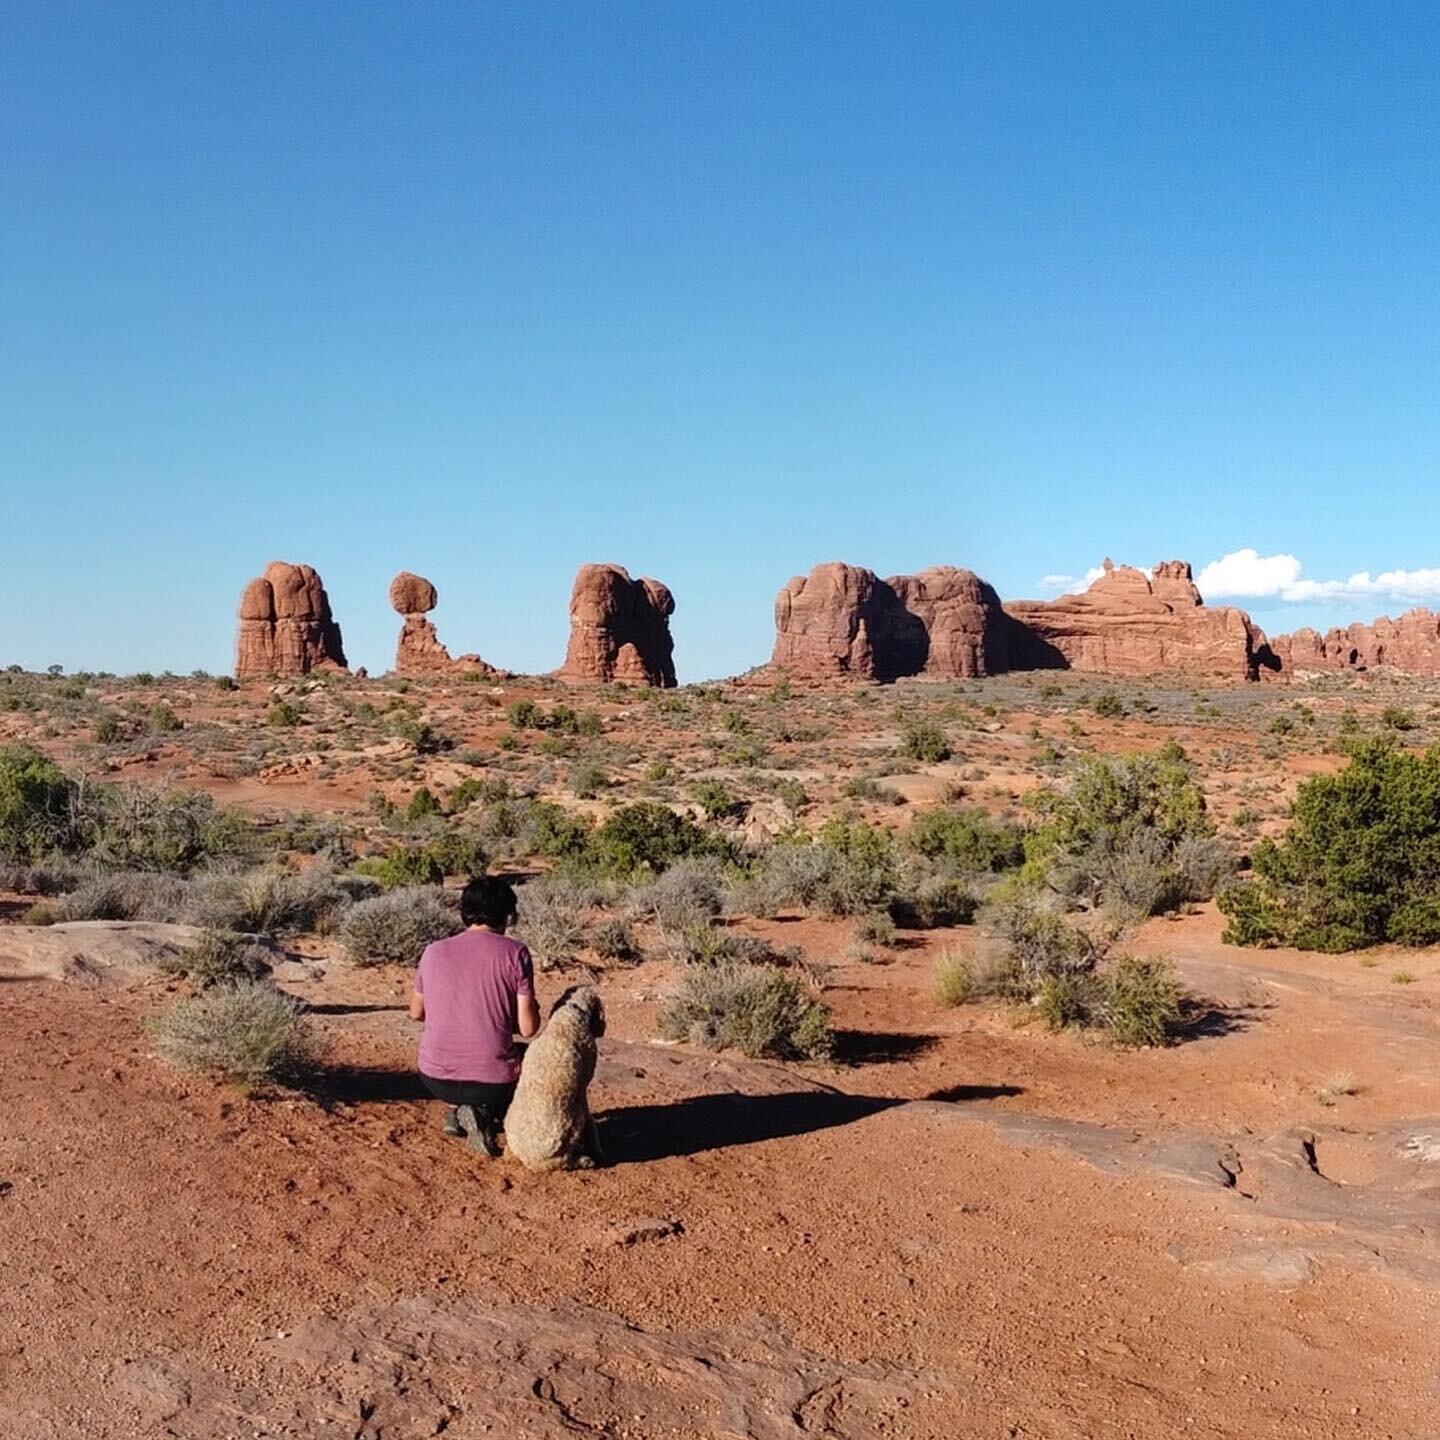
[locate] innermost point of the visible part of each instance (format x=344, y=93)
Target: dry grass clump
x=240, y=1030
x=393, y=929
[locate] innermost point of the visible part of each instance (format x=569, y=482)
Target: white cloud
x=1070, y=584
x=1248, y=575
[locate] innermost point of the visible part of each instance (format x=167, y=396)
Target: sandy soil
x=963, y=1228
x=1069, y=1242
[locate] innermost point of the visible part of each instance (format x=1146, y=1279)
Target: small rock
x=637, y=1232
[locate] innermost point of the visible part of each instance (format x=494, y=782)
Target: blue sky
x=716, y=291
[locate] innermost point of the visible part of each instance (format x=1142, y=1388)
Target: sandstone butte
x=619, y=629
x=1410, y=643
x=286, y=627
x=842, y=621
x=419, y=651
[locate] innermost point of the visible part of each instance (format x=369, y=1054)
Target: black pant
x=491, y=1100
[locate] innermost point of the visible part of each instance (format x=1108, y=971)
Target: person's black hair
x=488, y=900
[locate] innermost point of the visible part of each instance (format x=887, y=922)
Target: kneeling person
x=474, y=992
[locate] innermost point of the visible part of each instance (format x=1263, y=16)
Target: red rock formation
x=420, y=651
x=842, y=622
x=619, y=629
x=286, y=627
x=1128, y=623
x=1410, y=644
x=825, y=623
x=962, y=625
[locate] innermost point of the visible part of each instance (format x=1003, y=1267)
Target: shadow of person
x=356, y=1084
x=634, y=1134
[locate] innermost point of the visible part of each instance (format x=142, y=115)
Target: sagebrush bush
x=1359, y=864
x=928, y=902
x=613, y=940
x=37, y=804
x=864, y=868
x=690, y=892
x=762, y=1011
x=394, y=928
x=217, y=956
x=1037, y=937
x=246, y=1031
x=554, y=917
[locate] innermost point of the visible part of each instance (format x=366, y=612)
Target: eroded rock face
x=419, y=651
x=843, y=622
x=1410, y=643
x=1129, y=623
x=619, y=629
x=286, y=627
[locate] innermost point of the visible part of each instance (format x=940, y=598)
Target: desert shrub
x=554, y=918
x=423, y=803
x=965, y=979
x=402, y=867
x=267, y=901
x=524, y=715
x=648, y=836
x=691, y=892
x=787, y=875
x=218, y=956
x=108, y=728
x=968, y=839
x=717, y=800
x=1359, y=864
x=118, y=896
x=142, y=826
x=1114, y=835
x=1396, y=717
x=1109, y=706
x=613, y=940
x=929, y=902
x=920, y=740
x=875, y=928
x=552, y=831
x=864, y=867
x=37, y=804
x=1037, y=937
x=465, y=794
x=762, y=1011
x=588, y=780
x=163, y=720
x=393, y=929
x=241, y=1030
x=285, y=714
x=1139, y=1000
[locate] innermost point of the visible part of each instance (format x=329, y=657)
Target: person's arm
x=417, y=995
x=527, y=1007
x=527, y=1015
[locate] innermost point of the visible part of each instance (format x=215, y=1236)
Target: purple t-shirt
x=470, y=982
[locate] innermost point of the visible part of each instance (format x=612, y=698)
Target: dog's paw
x=582, y=1162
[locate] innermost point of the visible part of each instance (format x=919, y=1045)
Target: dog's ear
x=564, y=1000
x=597, y=1014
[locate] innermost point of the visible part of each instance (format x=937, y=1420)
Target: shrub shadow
x=1202, y=1019
x=874, y=1047
x=640, y=1133
x=354, y=1084
x=960, y=1094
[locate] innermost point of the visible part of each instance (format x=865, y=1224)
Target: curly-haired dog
x=548, y=1125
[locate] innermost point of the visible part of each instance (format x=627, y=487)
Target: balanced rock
x=619, y=629
x=286, y=627
x=844, y=622
x=419, y=651
x=1129, y=623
